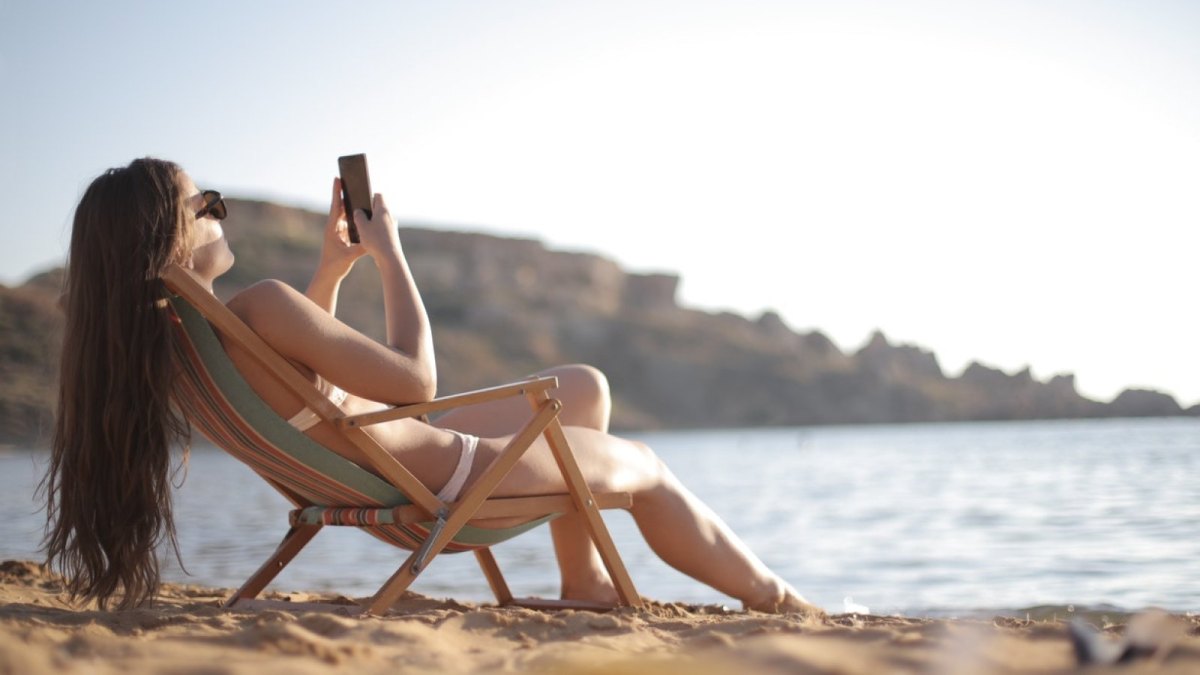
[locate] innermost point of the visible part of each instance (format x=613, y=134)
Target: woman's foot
x=600, y=591
x=783, y=599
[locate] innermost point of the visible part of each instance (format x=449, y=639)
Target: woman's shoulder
x=263, y=297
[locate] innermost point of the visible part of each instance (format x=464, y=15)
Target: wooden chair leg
x=586, y=503
x=495, y=579
x=465, y=508
x=295, y=539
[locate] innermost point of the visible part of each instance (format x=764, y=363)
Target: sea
x=944, y=520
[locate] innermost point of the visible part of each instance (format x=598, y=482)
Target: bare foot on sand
x=601, y=591
x=785, y=600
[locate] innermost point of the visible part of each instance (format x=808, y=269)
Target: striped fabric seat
x=218, y=401
x=324, y=515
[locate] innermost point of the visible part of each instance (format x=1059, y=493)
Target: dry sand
x=188, y=632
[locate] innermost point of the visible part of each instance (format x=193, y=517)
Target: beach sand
x=186, y=631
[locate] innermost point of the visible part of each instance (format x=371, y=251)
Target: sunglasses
x=214, y=205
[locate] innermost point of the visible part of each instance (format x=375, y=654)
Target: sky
x=1003, y=181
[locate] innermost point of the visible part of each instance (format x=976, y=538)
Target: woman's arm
x=303, y=328
x=337, y=255
x=303, y=332
x=323, y=289
x=408, y=328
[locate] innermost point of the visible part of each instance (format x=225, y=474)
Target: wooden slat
x=448, y=402
x=464, y=510
x=586, y=503
x=293, y=541
x=296, y=539
x=508, y=507
x=487, y=562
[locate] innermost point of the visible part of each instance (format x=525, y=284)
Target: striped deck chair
x=385, y=499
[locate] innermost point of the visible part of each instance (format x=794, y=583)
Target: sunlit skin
x=680, y=528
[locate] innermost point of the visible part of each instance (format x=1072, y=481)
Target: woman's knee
x=655, y=465
x=638, y=469
x=584, y=379
x=585, y=394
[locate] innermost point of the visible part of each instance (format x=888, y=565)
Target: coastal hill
x=502, y=308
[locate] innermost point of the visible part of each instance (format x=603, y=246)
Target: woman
x=108, y=482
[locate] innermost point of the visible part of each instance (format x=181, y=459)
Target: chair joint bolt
x=423, y=552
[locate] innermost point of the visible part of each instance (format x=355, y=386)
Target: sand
x=186, y=631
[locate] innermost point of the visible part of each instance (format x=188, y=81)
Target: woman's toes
x=784, y=600
x=603, y=593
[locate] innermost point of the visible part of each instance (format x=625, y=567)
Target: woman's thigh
x=608, y=464
x=582, y=390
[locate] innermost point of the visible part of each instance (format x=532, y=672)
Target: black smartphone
x=356, y=189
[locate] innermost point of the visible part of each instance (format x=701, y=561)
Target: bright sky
x=1013, y=182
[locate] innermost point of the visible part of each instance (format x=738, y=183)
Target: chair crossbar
x=513, y=507
x=537, y=384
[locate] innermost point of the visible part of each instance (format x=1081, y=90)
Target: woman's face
x=210, y=256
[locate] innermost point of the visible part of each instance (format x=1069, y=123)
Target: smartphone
x=356, y=189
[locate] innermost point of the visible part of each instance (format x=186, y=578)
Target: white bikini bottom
x=467, y=445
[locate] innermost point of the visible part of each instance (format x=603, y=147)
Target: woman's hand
x=378, y=234
x=337, y=253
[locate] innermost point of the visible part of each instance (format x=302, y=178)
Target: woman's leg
x=583, y=391
x=677, y=525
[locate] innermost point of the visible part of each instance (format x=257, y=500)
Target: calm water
x=921, y=519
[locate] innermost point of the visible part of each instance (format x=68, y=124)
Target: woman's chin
x=224, y=266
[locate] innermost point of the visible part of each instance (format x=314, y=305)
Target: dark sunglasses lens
x=214, y=204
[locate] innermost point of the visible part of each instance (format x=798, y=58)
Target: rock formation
x=502, y=308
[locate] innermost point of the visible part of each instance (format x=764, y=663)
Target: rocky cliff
x=30, y=332
x=502, y=308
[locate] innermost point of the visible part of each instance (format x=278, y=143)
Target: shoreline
x=41, y=444
x=187, y=631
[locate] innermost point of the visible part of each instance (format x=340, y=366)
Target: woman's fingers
x=379, y=211
x=342, y=231
x=360, y=219
x=335, y=199
x=337, y=225
x=338, y=246
x=379, y=231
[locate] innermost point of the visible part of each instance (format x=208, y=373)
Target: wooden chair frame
x=449, y=518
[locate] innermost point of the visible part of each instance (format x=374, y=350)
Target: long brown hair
x=108, y=483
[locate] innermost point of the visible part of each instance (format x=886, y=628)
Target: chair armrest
x=449, y=402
